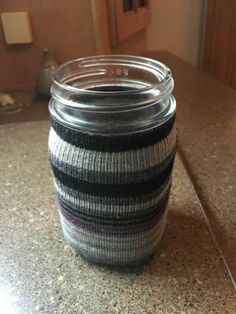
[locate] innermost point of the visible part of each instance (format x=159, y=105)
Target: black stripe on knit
x=114, y=190
x=111, y=178
x=114, y=143
x=112, y=220
x=82, y=198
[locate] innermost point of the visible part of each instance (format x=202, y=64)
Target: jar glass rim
x=119, y=93
x=157, y=68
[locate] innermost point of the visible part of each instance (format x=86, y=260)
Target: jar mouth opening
x=112, y=75
x=115, y=93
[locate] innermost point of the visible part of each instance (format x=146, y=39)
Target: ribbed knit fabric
x=113, y=190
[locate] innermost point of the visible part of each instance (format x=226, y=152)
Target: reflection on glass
x=127, y=5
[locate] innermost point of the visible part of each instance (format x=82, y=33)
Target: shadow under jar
x=112, y=146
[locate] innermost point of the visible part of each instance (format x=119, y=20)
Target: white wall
x=176, y=27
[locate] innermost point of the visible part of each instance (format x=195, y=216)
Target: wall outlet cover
x=16, y=27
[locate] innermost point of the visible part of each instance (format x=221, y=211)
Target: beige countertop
x=41, y=274
x=206, y=116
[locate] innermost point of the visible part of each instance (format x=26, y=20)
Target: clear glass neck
x=112, y=93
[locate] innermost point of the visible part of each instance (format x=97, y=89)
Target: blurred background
x=200, y=32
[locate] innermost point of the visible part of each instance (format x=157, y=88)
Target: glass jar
x=112, y=146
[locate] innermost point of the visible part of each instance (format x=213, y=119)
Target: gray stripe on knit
x=105, y=205
x=108, y=255
x=113, y=263
x=112, y=177
x=109, y=162
x=98, y=239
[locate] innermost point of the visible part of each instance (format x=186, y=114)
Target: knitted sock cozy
x=113, y=190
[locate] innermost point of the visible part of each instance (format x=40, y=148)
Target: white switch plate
x=16, y=27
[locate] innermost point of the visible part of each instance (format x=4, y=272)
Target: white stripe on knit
x=112, y=162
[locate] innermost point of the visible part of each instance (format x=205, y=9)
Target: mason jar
x=112, y=146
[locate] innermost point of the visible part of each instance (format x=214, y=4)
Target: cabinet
x=219, y=55
x=126, y=18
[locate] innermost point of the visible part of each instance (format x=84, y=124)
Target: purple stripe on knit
x=113, y=230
